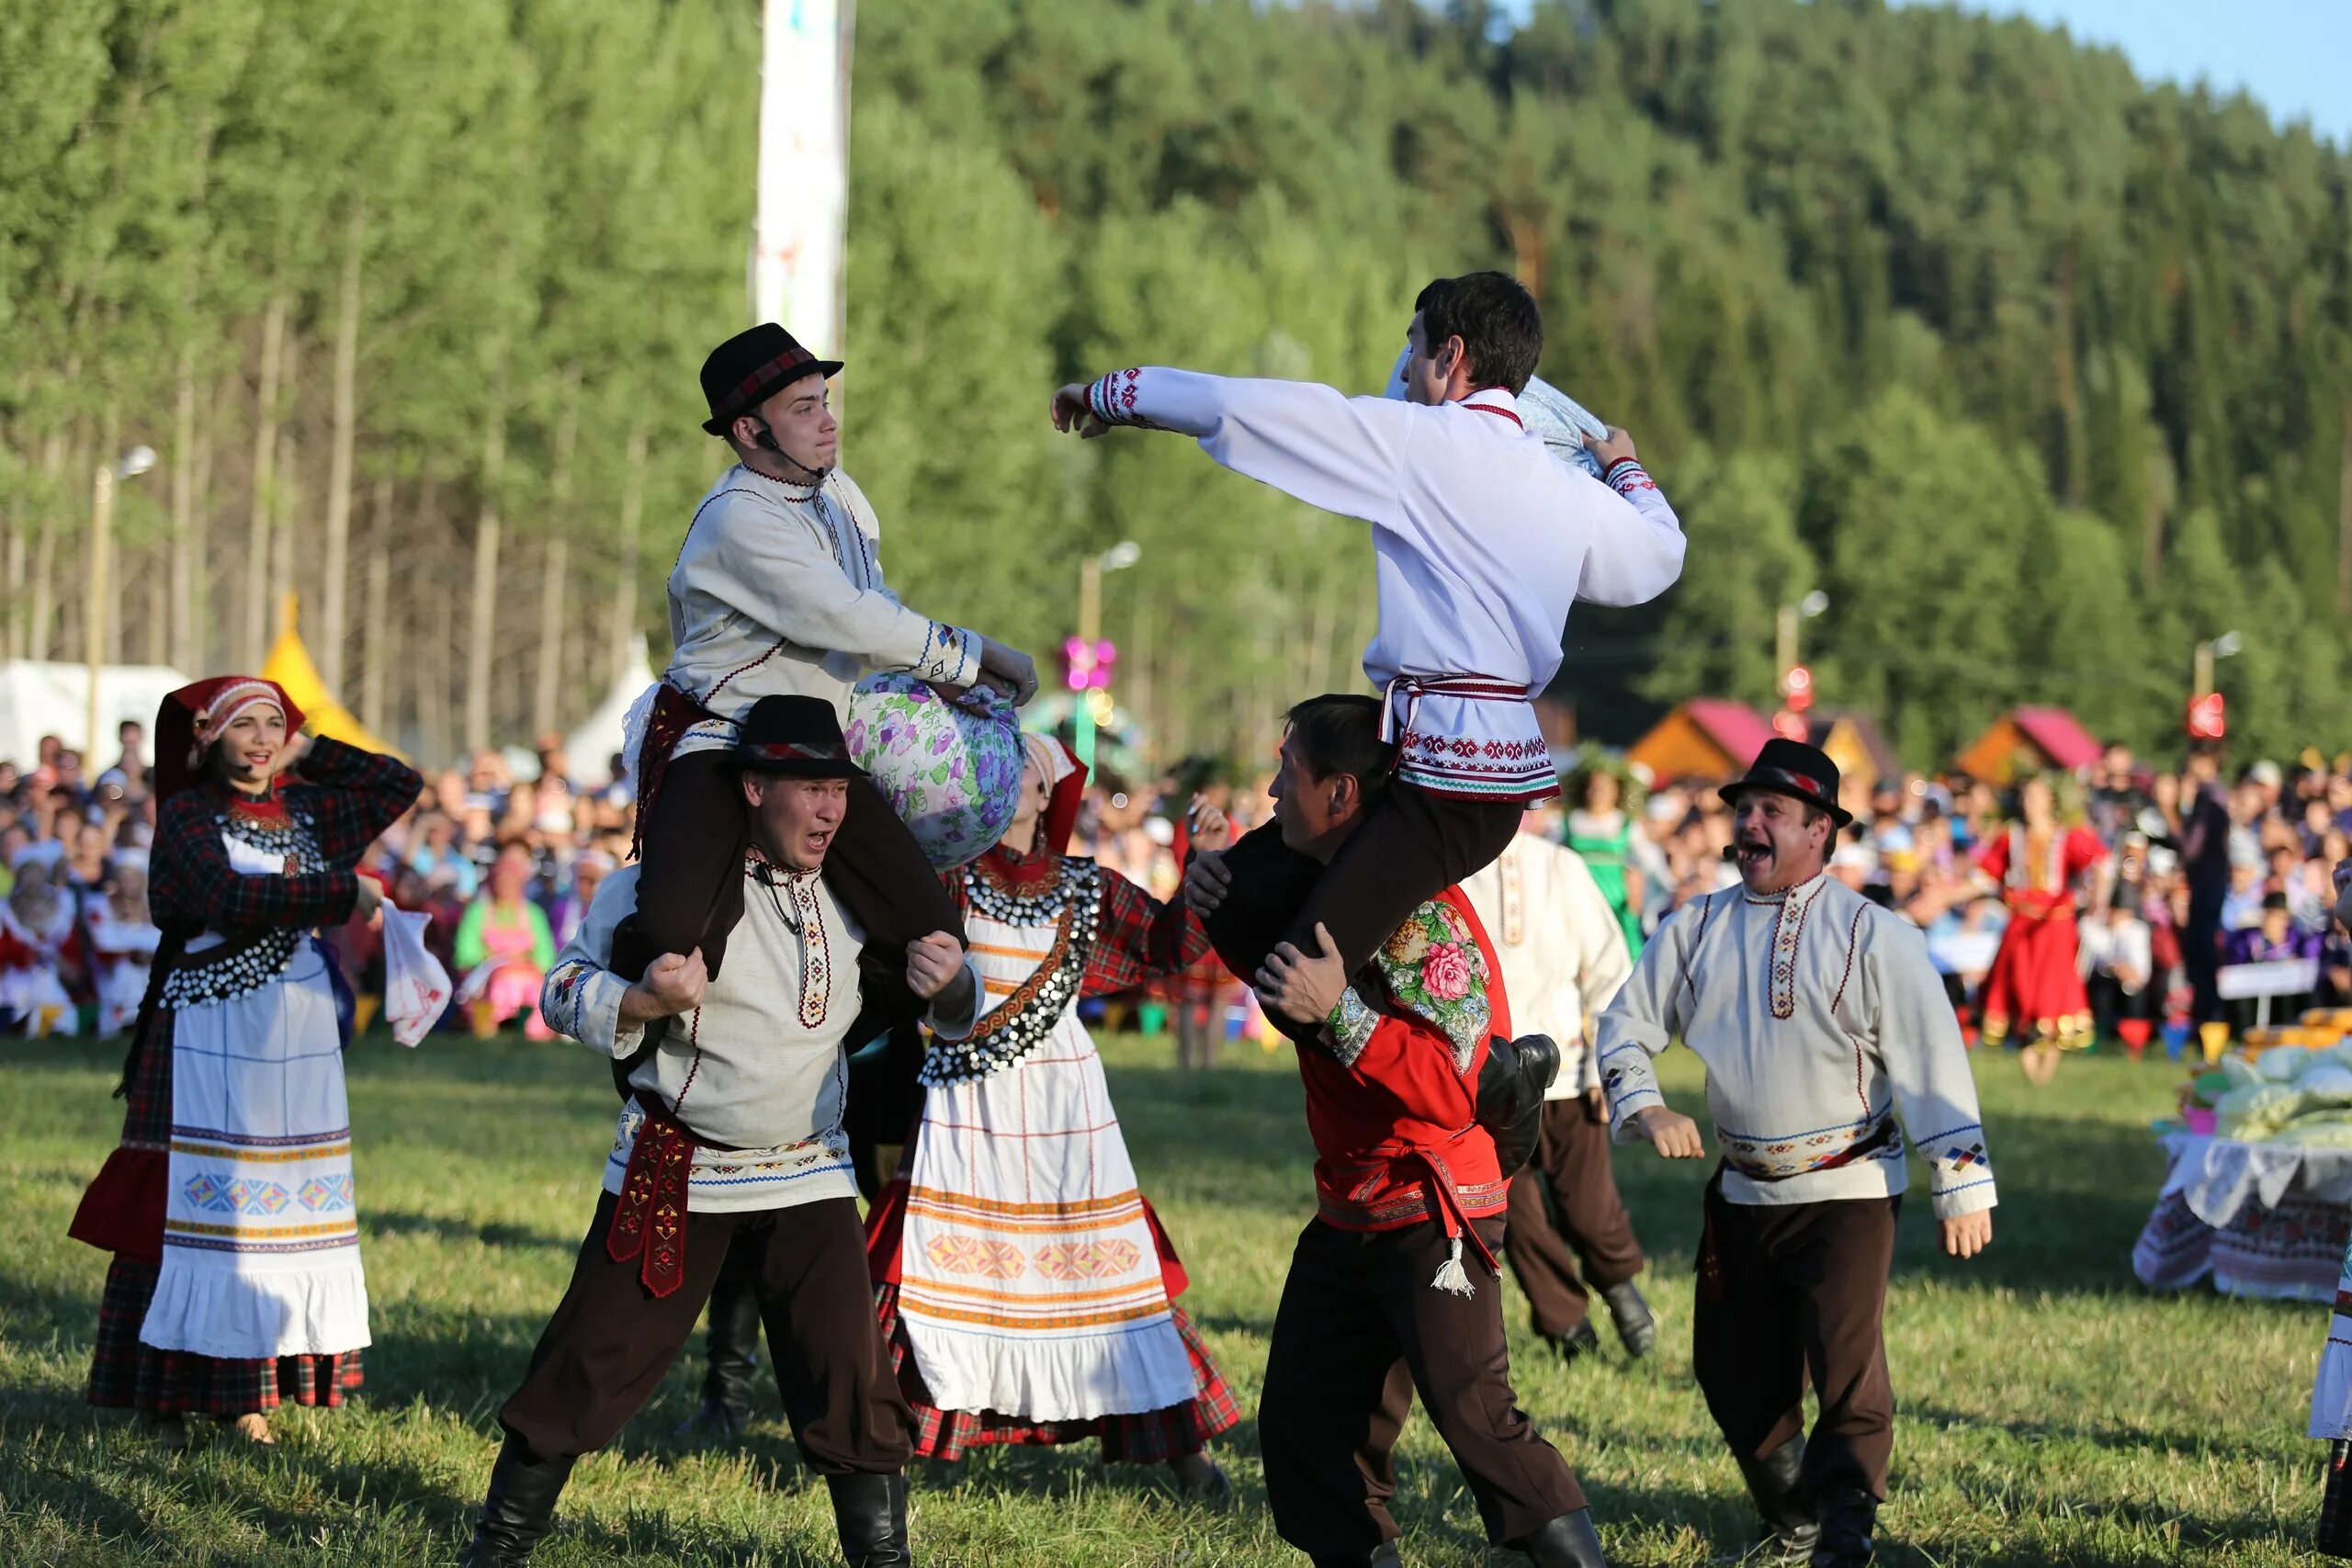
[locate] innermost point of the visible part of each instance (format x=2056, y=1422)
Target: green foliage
x=2040, y=372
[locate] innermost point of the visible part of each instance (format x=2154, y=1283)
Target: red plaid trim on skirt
x=128, y=1375
x=2334, y=1537
x=1153, y=1437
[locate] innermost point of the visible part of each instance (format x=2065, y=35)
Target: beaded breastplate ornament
x=1072, y=903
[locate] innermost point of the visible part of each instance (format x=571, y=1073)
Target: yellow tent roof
x=289, y=665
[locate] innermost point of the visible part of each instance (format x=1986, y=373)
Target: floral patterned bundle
x=952, y=768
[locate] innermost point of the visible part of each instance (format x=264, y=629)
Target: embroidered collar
x=1802, y=893
x=1019, y=873
x=267, y=806
x=1496, y=400
x=787, y=489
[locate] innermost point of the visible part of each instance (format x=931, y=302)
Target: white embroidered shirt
x=1482, y=541
x=1821, y=1020
x=1563, y=953
x=760, y=1065
x=779, y=591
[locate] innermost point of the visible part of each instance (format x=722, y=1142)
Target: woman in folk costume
x=2035, y=990
x=37, y=939
x=504, y=945
x=228, y=1205
x=1601, y=831
x=123, y=938
x=1024, y=1283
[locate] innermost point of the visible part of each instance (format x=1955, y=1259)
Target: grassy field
x=2050, y=1411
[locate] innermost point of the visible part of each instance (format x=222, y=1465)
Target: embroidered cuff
x=1349, y=1026
x=1113, y=399
x=951, y=656
x=1960, y=1173
x=584, y=1002
x=1626, y=475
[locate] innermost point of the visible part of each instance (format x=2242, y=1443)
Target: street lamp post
x=1784, y=639
x=133, y=463
x=1118, y=557
x=2223, y=647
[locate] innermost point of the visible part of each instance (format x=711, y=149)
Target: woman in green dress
x=1601, y=831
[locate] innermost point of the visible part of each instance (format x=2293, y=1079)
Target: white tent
x=38, y=699
x=590, y=747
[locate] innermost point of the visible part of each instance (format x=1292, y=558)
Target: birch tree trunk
x=253, y=645
x=330, y=644
x=40, y=623
x=484, y=625
x=287, y=492
x=624, y=626
x=205, y=635
x=556, y=571
x=178, y=643
x=377, y=633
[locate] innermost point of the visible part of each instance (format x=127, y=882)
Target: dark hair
x=1500, y=326
x=1339, y=733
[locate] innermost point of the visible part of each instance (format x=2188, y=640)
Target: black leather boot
x=870, y=1512
x=1847, y=1514
x=1790, y=1529
x=1568, y=1541
x=1630, y=1311
x=1577, y=1343
x=520, y=1507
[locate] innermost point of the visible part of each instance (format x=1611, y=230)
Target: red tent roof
x=2058, y=736
x=1740, y=730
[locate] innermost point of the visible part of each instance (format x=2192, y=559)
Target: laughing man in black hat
x=732, y=1141
x=779, y=591
x=1821, y=1022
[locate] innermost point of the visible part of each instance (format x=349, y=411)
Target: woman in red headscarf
x=1024, y=1286
x=228, y=1205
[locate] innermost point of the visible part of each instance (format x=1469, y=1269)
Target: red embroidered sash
x=673, y=713
x=650, y=1218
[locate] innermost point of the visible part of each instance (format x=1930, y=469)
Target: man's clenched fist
x=1673, y=1134
x=931, y=961
x=672, y=984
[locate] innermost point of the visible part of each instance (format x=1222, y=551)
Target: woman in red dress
x=2035, y=988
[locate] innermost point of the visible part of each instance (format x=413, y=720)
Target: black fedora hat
x=752, y=366
x=1793, y=768
x=796, y=737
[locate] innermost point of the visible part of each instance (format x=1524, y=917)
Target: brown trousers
x=1565, y=1209
x=1789, y=1293
x=690, y=887
x=1358, y=1318
x=606, y=1350
x=1412, y=845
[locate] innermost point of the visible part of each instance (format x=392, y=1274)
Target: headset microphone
x=766, y=439
x=1731, y=852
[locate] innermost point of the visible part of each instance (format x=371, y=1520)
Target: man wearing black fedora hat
x=733, y=1143
x=1826, y=1033
x=779, y=591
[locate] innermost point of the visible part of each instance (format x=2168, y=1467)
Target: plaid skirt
x=1153, y=1437
x=2334, y=1537
x=126, y=1375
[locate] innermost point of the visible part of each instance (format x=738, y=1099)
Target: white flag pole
x=796, y=251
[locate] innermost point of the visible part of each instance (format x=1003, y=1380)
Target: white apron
x=1030, y=1283
x=261, y=1236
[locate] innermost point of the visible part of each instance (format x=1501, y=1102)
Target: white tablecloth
x=2263, y=1219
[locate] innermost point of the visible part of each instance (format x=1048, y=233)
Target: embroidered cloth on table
x=2217, y=1177
x=261, y=1232
x=1030, y=1282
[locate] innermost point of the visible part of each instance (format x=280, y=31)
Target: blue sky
x=2293, y=56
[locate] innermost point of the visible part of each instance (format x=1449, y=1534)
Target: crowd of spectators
x=2204, y=869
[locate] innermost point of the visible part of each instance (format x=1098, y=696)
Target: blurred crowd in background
x=2204, y=867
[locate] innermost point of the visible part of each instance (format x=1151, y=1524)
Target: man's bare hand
x=1206, y=881
x=1015, y=672
x=370, y=905
x=1303, y=988
x=1212, y=831
x=672, y=984
x=1072, y=411
x=1968, y=1235
x=1609, y=448
x=931, y=961
x=1673, y=1134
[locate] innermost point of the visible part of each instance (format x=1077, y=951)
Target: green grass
x=2050, y=1411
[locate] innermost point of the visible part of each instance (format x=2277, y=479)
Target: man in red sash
x=1397, y=1273
x=732, y=1139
